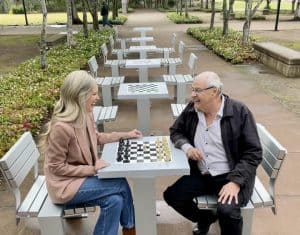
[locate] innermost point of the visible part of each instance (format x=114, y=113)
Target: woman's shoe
x=129, y=231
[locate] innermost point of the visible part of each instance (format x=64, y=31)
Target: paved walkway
x=240, y=83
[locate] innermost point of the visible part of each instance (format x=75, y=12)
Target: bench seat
x=284, y=60
x=15, y=166
x=260, y=198
x=273, y=156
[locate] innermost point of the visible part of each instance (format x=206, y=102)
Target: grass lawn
x=36, y=19
x=15, y=49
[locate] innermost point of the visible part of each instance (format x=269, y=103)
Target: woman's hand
x=134, y=134
x=100, y=163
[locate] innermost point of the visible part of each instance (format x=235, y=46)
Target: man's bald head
x=211, y=79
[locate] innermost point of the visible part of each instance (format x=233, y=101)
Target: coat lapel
x=83, y=144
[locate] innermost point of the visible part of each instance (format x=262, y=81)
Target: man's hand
x=229, y=192
x=194, y=154
x=100, y=163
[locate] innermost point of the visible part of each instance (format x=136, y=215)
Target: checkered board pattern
x=145, y=88
x=143, y=152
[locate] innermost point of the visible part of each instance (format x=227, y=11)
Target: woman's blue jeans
x=115, y=200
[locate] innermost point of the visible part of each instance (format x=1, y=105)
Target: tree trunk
x=213, y=12
x=249, y=15
x=25, y=13
x=84, y=25
x=297, y=11
x=246, y=26
x=268, y=4
x=180, y=7
x=225, y=18
x=186, y=9
x=75, y=17
x=293, y=6
x=43, y=45
x=70, y=40
x=206, y=4
x=94, y=12
x=201, y=4
x=231, y=3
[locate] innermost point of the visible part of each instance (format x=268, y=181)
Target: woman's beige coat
x=69, y=159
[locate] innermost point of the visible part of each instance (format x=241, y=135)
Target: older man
x=219, y=137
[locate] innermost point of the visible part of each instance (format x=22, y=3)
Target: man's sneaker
x=200, y=229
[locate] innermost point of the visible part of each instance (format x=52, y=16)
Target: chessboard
x=143, y=88
x=138, y=151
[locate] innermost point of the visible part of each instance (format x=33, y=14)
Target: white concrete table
x=143, y=92
x=143, y=30
x=142, y=65
x=143, y=50
x=143, y=176
x=142, y=40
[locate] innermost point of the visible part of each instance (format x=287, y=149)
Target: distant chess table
x=143, y=65
x=143, y=175
x=143, y=92
x=143, y=30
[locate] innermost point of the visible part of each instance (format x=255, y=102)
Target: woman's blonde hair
x=71, y=107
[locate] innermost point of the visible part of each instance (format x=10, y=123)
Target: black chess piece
x=119, y=158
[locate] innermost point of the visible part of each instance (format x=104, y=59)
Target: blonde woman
x=71, y=161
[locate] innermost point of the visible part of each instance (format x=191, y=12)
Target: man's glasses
x=199, y=90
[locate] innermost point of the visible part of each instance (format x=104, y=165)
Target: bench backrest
x=173, y=40
x=192, y=63
x=93, y=66
x=181, y=46
x=111, y=42
x=16, y=164
x=104, y=51
x=273, y=156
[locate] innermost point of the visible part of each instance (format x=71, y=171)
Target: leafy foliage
x=229, y=47
x=241, y=16
x=28, y=94
x=120, y=20
x=181, y=19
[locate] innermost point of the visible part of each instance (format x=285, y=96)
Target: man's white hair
x=212, y=79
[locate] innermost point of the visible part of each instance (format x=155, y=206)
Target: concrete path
x=241, y=82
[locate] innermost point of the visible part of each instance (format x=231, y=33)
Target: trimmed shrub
x=181, y=19
x=230, y=47
x=28, y=94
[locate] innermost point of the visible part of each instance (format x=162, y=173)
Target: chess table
x=143, y=65
x=143, y=175
x=143, y=92
x=142, y=30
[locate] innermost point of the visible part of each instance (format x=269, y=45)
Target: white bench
x=15, y=166
x=104, y=114
x=106, y=83
x=177, y=109
x=273, y=156
x=114, y=64
x=180, y=81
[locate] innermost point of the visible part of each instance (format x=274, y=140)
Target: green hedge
x=28, y=94
x=181, y=19
x=120, y=20
x=230, y=47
